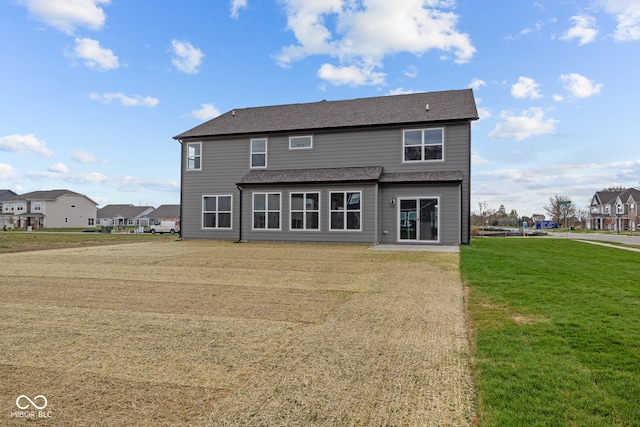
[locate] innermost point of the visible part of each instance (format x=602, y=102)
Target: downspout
x=240, y=215
x=182, y=162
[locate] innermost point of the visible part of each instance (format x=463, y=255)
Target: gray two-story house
x=389, y=169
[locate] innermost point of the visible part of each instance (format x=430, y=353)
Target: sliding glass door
x=418, y=219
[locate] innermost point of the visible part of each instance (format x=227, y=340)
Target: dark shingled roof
x=354, y=174
x=436, y=176
x=47, y=195
x=363, y=112
x=293, y=176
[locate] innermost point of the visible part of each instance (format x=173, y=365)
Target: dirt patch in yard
x=214, y=333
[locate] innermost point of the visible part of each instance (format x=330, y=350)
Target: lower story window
x=345, y=212
x=216, y=212
x=91, y=221
x=266, y=211
x=305, y=211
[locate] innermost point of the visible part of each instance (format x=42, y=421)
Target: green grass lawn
x=557, y=332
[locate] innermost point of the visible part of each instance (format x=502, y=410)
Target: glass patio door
x=418, y=219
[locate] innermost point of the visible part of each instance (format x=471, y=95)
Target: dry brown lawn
x=215, y=333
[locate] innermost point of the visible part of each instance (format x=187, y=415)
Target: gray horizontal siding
x=368, y=219
x=449, y=210
x=226, y=161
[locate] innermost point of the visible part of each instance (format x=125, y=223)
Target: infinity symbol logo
x=31, y=402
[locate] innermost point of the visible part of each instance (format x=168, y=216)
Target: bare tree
x=560, y=209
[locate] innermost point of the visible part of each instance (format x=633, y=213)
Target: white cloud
x=59, y=168
x=24, y=144
x=627, y=13
x=531, y=122
x=85, y=157
x=236, y=5
x=187, y=58
x=94, y=55
x=477, y=83
x=350, y=75
x=401, y=91
x=411, y=72
x=125, y=100
x=525, y=88
x=206, y=112
x=580, y=86
x=360, y=34
x=7, y=172
x=66, y=15
x=584, y=30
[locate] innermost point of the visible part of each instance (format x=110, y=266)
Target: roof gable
x=364, y=112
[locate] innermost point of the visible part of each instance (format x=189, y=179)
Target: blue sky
x=93, y=91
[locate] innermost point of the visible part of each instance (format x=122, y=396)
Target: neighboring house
x=390, y=169
x=615, y=210
x=124, y=215
x=50, y=209
x=5, y=220
x=165, y=213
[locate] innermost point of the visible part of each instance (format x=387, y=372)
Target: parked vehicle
x=164, y=227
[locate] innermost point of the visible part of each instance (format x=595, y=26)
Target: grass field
x=168, y=332
x=557, y=332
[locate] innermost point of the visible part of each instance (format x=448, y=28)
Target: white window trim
x=251, y=153
x=345, y=229
x=422, y=145
x=202, y=212
x=266, y=211
x=186, y=166
x=304, y=211
x=310, y=147
x=398, y=219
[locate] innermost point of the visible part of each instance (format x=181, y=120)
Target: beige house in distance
x=49, y=209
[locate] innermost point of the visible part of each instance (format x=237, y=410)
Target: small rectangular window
x=216, y=212
x=194, y=156
x=258, y=153
x=300, y=142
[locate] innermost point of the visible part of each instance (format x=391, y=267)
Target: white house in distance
x=49, y=209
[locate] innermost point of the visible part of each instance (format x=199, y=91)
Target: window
x=300, y=142
x=266, y=211
x=305, y=211
x=91, y=221
x=73, y=206
x=423, y=145
x=193, y=156
x=258, y=153
x=37, y=207
x=216, y=212
x=345, y=210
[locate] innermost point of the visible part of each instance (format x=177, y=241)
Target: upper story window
x=300, y=142
x=259, y=153
x=193, y=156
x=619, y=209
x=37, y=207
x=422, y=145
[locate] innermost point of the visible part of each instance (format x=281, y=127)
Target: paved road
x=615, y=238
